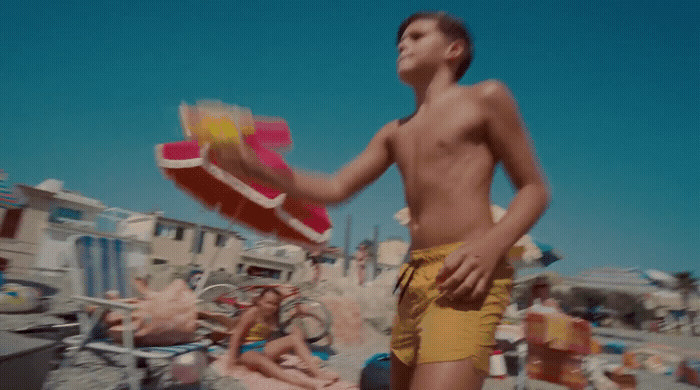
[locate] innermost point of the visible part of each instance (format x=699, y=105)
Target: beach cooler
x=375, y=374
x=556, y=346
x=555, y=366
x=623, y=378
x=558, y=331
x=689, y=371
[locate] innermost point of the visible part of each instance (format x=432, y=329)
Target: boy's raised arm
x=240, y=161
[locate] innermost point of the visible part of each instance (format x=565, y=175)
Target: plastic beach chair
x=98, y=264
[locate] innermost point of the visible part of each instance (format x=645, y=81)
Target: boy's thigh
x=400, y=374
x=448, y=335
x=452, y=375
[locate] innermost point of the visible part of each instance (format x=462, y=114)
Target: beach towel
x=254, y=380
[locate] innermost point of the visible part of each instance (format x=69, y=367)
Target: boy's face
x=422, y=48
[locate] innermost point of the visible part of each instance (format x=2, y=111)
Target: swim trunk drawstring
x=410, y=277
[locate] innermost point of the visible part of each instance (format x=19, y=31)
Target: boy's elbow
x=546, y=195
x=337, y=192
x=539, y=193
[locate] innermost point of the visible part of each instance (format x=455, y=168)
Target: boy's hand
x=234, y=158
x=468, y=271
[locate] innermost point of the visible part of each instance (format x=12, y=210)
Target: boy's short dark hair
x=452, y=27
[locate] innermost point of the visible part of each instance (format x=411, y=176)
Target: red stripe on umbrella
x=249, y=203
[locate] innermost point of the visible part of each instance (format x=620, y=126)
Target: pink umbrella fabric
x=245, y=201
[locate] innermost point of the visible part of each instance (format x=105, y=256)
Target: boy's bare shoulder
x=391, y=126
x=488, y=91
x=389, y=130
x=492, y=93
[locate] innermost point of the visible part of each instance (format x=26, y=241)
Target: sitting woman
x=251, y=344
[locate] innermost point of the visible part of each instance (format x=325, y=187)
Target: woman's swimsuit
x=256, y=338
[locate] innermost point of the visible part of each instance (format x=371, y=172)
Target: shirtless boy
x=457, y=284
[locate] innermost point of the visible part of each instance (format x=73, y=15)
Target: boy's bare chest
x=439, y=135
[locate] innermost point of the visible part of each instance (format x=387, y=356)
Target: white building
x=50, y=214
x=176, y=243
x=273, y=259
x=155, y=244
x=50, y=218
x=391, y=254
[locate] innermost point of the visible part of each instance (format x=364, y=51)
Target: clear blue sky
x=608, y=90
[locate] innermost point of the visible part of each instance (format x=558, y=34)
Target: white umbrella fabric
x=524, y=254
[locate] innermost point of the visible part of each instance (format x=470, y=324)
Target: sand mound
x=356, y=309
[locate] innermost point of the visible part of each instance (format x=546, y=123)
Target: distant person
x=540, y=299
x=5, y=289
x=361, y=256
x=252, y=344
x=316, y=260
x=458, y=282
x=4, y=263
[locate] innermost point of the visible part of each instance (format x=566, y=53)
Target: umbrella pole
x=197, y=236
x=207, y=270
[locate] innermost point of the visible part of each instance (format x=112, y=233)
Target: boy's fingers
x=450, y=266
x=454, y=280
x=481, y=288
x=443, y=273
x=467, y=285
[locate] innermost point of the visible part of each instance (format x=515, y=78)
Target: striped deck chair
x=98, y=265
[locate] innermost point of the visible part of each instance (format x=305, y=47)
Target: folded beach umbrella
x=526, y=252
x=549, y=254
x=244, y=201
x=8, y=196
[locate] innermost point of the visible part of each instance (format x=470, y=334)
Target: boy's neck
x=426, y=92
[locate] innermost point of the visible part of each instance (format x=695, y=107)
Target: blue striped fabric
x=8, y=200
x=104, y=251
x=119, y=266
x=84, y=248
x=102, y=262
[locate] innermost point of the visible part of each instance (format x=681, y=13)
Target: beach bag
x=375, y=374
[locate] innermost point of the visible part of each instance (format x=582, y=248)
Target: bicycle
x=308, y=314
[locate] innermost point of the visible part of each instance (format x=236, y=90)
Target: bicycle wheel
x=311, y=316
x=210, y=298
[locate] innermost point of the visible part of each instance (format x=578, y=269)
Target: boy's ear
x=456, y=49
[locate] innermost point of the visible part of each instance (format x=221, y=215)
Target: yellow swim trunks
x=428, y=328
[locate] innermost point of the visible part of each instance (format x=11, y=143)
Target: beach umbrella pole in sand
x=207, y=269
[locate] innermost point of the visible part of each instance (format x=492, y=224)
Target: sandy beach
x=354, y=342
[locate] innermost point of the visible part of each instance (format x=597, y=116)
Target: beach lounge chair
x=98, y=266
